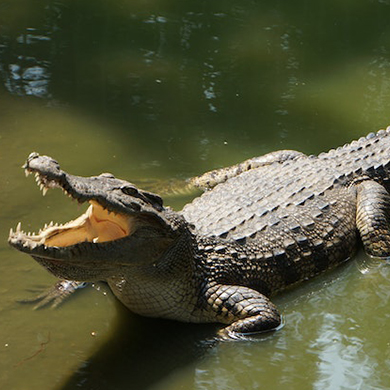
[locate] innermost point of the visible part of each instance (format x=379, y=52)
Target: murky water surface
x=158, y=91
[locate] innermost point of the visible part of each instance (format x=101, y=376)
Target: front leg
x=245, y=310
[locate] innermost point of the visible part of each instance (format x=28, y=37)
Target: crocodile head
x=123, y=225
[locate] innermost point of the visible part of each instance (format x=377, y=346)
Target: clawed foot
x=228, y=334
x=55, y=295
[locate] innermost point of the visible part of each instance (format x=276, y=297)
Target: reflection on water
x=342, y=362
x=26, y=56
x=168, y=90
x=378, y=89
x=27, y=75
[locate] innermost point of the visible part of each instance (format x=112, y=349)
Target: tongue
x=107, y=226
x=107, y=231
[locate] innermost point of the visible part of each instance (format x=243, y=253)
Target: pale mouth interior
x=95, y=225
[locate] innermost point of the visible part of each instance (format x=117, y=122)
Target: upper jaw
x=112, y=194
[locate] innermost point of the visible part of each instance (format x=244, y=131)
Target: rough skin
x=260, y=227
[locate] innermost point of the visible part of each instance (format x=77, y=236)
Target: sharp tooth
x=11, y=232
x=26, y=172
x=44, y=191
x=18, y=228
x=95, y=240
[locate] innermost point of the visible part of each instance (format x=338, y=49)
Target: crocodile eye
x=131, y=191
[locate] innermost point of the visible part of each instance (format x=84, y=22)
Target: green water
x=160, y=90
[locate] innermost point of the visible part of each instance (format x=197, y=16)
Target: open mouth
x=97, y=225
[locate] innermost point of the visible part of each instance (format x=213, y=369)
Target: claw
x=55, y=295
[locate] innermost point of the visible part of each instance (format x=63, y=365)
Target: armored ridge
x=261, y=226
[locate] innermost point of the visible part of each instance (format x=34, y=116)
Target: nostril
x=45, y=165
x=32, y=155
x=107, y=175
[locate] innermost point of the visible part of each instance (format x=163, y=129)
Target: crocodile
x=258, y=228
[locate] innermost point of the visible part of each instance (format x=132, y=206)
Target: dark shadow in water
x=143, y=352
